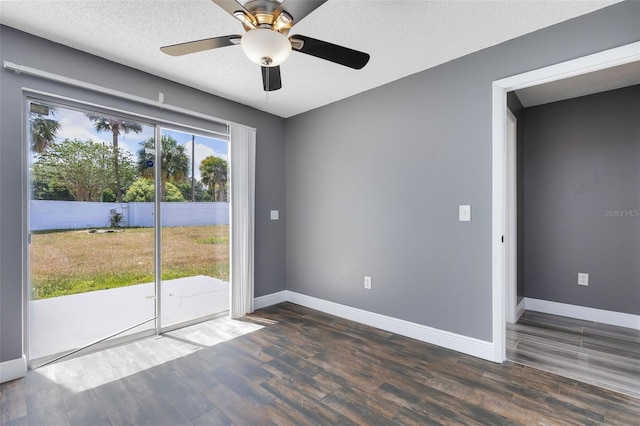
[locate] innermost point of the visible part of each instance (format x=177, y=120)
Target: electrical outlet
x=367, y=282
x=583, y=279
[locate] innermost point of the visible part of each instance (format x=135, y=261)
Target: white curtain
x=242, y=215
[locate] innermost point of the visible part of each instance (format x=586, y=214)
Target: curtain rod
x=18, y=69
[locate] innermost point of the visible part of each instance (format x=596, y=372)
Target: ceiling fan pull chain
x=268, y=84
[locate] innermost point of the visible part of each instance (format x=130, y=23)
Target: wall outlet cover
x=367, y=282
x=583, y=279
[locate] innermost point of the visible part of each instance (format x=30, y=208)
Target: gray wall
x=581, y=165
x=31, y=51
x=374, y=182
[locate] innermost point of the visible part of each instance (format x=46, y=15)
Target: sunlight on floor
x=99, y=368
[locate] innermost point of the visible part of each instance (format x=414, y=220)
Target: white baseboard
x=13, y=369
x=520, y=308
x=581, y=312
x=468, y=345
x=269, y=299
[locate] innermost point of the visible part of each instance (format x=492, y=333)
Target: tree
x=80, y=167
x=144, y=190
x=116, y=128
x=213, y=172
x=174, y=165
x=199, y=190
x=43, y=130
x=43, y=187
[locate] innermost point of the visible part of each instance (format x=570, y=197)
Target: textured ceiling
x=402, y=37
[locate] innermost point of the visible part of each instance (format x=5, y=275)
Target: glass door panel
x=91, y=224
x=195, y=227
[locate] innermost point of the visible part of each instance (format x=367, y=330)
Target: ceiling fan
x=267, y=24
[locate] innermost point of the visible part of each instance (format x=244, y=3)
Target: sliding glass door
x=91, y=262
x=127, y=236
x=195, y=227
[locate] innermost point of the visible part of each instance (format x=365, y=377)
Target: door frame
x=511, y=220
x=583, y=65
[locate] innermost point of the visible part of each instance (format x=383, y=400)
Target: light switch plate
x=464, y=213
x=275, y=215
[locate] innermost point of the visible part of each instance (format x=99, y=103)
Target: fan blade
x=331, y=52
x=231, y=6
x=299, y=9
x=271, y=78
x=200, y=45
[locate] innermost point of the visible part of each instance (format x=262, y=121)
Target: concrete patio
x=65, y=323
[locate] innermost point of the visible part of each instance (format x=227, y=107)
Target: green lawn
x=76, y=261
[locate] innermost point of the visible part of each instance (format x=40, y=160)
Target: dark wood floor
x=591, y=352
x=289, y=365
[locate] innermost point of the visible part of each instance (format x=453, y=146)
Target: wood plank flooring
x=599, y=354
x=289, y=365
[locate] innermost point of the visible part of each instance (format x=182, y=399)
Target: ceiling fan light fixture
x=266, y=47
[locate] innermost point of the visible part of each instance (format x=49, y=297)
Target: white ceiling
x=402, y=37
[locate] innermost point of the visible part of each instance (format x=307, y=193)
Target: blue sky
x=75, y=125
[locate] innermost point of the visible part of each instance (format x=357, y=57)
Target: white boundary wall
x=46, y=215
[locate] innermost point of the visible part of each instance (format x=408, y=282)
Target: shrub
x=115, y=218
x=143, y=190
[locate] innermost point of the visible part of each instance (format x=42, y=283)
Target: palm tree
x=43, y=130
x=213, y=171
x=116, y=128
x=174, y=165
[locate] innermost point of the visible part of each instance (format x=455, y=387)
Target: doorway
x=577, y=67
x=581, y=156
x=127, y=237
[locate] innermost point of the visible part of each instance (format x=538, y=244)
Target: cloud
x=76, y=125
x=203, y=151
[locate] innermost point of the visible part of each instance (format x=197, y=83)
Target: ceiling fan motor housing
x=265, y=14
